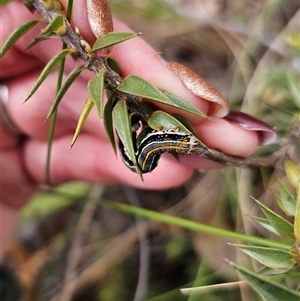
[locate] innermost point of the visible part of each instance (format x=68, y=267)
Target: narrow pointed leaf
x=270, y=290
x=96, y=88
x=112, y=38
x=292, y=172
x=89, y=104
x=140, y=87
x=184, y=105
x=122, y=124
x=57, y=25
x=40, y=38
x=286, y=200
x=17, y=34
x=114, y=65
x=108, y=122
x=270, y=257
x=281, y=225
x=64, y=88
x=161, y=120
x=265, y=224
x=48, y=69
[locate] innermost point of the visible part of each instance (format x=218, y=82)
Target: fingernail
x=218, y=106
x=265, y=133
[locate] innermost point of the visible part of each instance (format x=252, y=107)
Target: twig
x=285, y=148
x=144, y=111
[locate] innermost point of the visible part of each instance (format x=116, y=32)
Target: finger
x=92, y=160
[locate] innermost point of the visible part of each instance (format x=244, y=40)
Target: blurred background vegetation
x=69, y=247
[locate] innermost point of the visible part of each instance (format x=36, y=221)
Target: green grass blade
x=192, y=225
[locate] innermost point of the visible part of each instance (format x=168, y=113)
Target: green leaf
x=113, y=64
x=108, y=122
x=292, y=172
x=64, y=88
x=96, y=88
x=138, y=86
x=112, y=38
x=281, y=225
x=17, y=35
x=122, y=124
x=89, y=104
x=270, y=257
x=48, y=69
x=184, y=105
x=161, y=120
x=286, y=200
x=40, y=38
x=265, y=224
x=57, y=26
x=270, y=290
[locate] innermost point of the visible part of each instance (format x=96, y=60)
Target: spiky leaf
x=138, y=86
x=49, y=68
x=108, y=122
x=286, y=200
x=265, y=224
x=112, y=38
x=17, y=35
x=292, y=172
x=96, y=87
x=270, y=257
x=184, y=105
x=122, y=124
x=64, y=88
x=89, y=104
x=41, y=38
x=270, y=290
x=281, y=225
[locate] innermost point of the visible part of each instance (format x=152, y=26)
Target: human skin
x=91, y=159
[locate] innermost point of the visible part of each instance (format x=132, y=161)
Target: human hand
x=91, y=159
